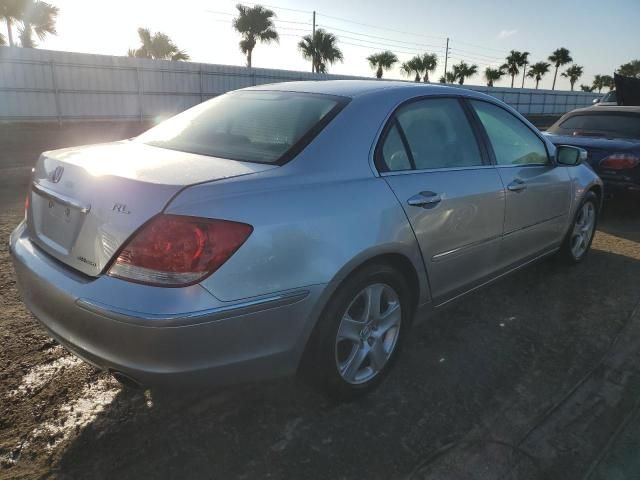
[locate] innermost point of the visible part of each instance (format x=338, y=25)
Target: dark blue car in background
x=611, y=137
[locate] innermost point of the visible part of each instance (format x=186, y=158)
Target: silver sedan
x=297, y=227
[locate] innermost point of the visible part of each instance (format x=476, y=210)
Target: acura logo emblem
x=57, y=174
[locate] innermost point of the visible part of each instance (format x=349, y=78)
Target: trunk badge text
x=120, y=208
x=56, y=175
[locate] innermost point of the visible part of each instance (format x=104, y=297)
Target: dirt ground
x=532, y=377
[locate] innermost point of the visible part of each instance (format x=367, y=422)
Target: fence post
x=140, y=91
x=56, y=94
x=201, y=88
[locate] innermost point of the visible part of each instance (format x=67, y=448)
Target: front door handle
x=425, y=199
x=517, y=185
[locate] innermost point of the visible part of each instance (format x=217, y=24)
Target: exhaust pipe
x=126, y=381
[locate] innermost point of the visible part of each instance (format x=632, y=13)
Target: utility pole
x=446, y=59
x=313, y=43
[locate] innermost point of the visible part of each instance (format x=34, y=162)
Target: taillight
x=173, y=250
x=26, y=204
x=620, y=161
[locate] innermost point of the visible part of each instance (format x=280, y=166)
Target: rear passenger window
x=438, y=135
x=512, y=141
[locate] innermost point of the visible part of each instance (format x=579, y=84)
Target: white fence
x=46, y=85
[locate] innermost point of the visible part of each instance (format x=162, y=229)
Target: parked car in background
x=609, y=99
x=611, y=137
x=297, y=227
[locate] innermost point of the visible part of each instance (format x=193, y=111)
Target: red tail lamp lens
x=173, y=250
x=620, y=161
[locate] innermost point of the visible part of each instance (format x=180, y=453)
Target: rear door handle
x=425, y=199
x=517, y=185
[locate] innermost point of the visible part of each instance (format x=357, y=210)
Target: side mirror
x=596, y=101
x=570, y=156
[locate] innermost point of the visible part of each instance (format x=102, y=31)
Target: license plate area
x=55, y=223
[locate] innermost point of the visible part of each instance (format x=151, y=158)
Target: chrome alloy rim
x=583, y=230
x=368, y=333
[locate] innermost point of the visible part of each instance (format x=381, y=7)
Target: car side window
x=512, y=141
x=437, y=133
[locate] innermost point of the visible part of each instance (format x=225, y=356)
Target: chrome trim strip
x=154, y=320
x=439, y=256
x=60, y=198
x=434, y=170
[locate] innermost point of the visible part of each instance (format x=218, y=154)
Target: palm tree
x=321, y=50
x=429, y=64
x=11, y=12
x=462, y=71
x=413, y=66
x=631, y=69
x=598, y=83
x=448, y=77
x=524, y=61
x=573, y=73
x=254, y=23
x=512, y=65
x=39, y=18
x=607, y=81
x=157, y=46
x=382, y=61
x=492, y=75
x=538, y=70
x=559, y=57
x=587, y=88
x=32, y=15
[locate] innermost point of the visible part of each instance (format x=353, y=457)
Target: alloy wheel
x=368, y=333
x=583, y=230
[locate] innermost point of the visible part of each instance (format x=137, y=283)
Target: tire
x=355, y=344
x=576, y=244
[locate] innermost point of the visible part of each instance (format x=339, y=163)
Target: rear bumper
x=164, y=337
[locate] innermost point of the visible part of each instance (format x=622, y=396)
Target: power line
x=382, y=38
x=380, y=28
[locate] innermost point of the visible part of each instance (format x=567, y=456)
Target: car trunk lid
x=85, y=202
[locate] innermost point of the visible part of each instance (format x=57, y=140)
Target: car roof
x=354, y=88
x=607, y=108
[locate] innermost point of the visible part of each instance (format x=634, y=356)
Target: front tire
x=361, y=331
x=578, y=241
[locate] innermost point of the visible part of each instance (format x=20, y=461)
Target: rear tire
x=578, y=241
x=360, y=333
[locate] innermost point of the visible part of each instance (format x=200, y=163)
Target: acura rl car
x=298, y=227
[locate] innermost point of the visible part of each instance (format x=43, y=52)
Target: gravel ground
x=528, y=378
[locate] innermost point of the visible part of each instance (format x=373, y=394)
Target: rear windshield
x=611, y=125
x=264, y=127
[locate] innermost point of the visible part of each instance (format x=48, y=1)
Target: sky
x=600, y=35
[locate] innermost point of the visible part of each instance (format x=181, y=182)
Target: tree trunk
x=379, y=72
x=537, y=82
x=417, y=79
x=572, y=84
x=9, y=31
x=249, y=52
x=426, y=76
x=524, y=71
x=555, y=74
x=513, y=77
x=461, y=81
x=490, y=83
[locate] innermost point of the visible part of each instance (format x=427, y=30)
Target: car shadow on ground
x=495, y=361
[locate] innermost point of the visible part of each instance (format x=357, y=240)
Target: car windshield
x=610, y=125
x=609, y=97
x=259, y=126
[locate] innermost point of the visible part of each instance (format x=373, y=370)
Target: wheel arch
x=414, y=274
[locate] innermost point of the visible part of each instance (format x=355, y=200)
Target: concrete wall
x=44, y=85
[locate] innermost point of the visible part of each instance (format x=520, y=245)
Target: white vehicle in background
x=608, y=99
